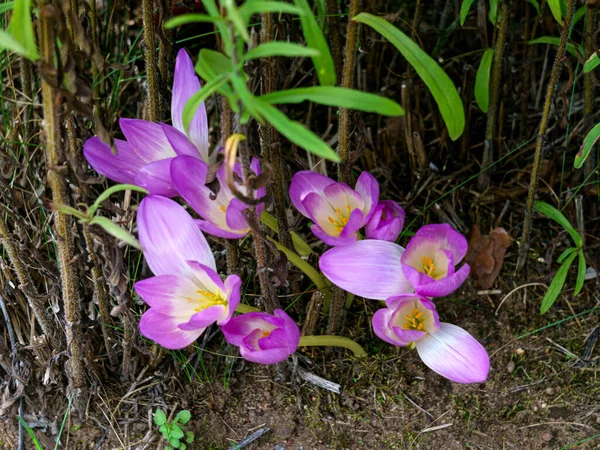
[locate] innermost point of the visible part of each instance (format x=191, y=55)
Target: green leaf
x=536, y=5
x=564, y=255
x=31, y=434
x=234, y=16
x=193, y=103
x=7, y=42
x=588, y=143
x=278, y=48
x=164, y=429
x=4, y=7
x=183, y=416
x=482, y=80
x=295, y=132
x=556, y=41
x=493, y=12
x=314, y=38
x=248, y=9
x=464, y=10
x=21, y=28
x=248, y=100
x=189, y=437
x=337, y=96
x=213, y=11
x=185, y=19
x=581, y=268
x=174, y=442
x=577, y=16
x=210, y=65
x=160, y=418
x=176, y=432
x=301, y=247
x=110, y=191
x=552, y=213
x=440, y=85
x=556, y=9
x=592, y=62
x=115, y=230
x=557, y=284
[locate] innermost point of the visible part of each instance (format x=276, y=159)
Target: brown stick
x=588, y=102
x=150, y=57
x=488, y=150
x=64, y=238
x=537, y=162
x=345, y=167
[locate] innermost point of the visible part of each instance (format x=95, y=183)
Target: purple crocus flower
x=411, y=320
x=386, y=222
x=429, y=260
x=263, y=338
x=369, y=268
x=223, y=213
x=337, y=210
x=144, y=158
x=186, y=295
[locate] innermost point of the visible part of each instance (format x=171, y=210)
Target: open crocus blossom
x=369, y=268
x=223, y=213
x=411, y=320
x=263, y=338
x=386, y=222
x=429, y=260
x=144, y=158
x=186, y=295
x=337, y=210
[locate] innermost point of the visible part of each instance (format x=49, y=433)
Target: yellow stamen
x=414, y=320
x=223, y=208
x=266, y=334
x=340, y=219
x=428, y=266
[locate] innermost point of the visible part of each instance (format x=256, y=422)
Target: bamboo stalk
x=345, y=167
x=541, y=137
x=490, y=130
x=64, y=238
x=150, y=57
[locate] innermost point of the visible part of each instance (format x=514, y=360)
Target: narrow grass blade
x=21, y=28
x=189, y=18
x=269, y=49
x=115, y=230
x=31, y=434
x=464, y=10
x=581, y=268
x=192, y=105
x=592, y=62
x=6, y=7
x=552, y=213
x=314, y=38
x=589, y=141
x=556, y=9
x=556, y=41
x=337, y=96
x=557, y=284
x=564, y=255
x=536, y=5
x=249, y=8
x=440, y=85
x=482, y=80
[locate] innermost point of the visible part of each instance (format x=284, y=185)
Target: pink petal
x=455, y=354
x=170, y=237
x=186, y=84
x=121, y=167
x=204, y=318
x=156, y=178
x=168, y=294
x=368, y=268
x=320, y=212
x=265, y=357
x=241, y=326
x=332, y=240
x=212, y=229
x=448, y=238
x=234, y=215
x=165, y=330
x=179, y=141
x=147, y=138
x=233, y=283
x=368, y=187
x=425, y=285
x=292, y=331
x=304, y=183
x=343, y=197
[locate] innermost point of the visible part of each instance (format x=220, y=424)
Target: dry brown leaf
x=486, y=255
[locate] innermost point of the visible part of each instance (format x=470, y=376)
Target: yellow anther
x=222, y=208
x=414, y=320
x=266, y=334
x=428, y=266
x=331, y=220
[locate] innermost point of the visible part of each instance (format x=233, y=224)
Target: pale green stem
x=300, y=245
x=243, y=309
x=332, y=341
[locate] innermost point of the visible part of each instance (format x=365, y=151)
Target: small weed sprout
x=172, y=431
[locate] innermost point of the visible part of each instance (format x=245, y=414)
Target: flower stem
x=150, y=57
x=332, y=341
x=243, y=308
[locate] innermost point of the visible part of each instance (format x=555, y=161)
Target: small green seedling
x=172, y=431
x=566, y=258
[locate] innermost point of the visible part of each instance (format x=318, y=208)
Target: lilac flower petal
x=417, y=247
x=343, y=197
x=265, y=357
x=387, y=221
x=212, y=229
x=368, y=268
x=235, y=215
x=368, y=187
x=205, y=278
x=168, y=294
x=240, y=326
x=320, y=212
x=304, y=183
x=455, y=354
x=170, y=237
x=276, y=339
x=165, y=330
x=204, y=318
x=355, y=223
x=291, y=329
x=147, y=138
x=179, y=141
x=121, y=167
x=331, y=240
x=186, y=84
x=448, y=238
x=233, y=284
x=380, y=322
x=436, y=288
x=156, y=178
